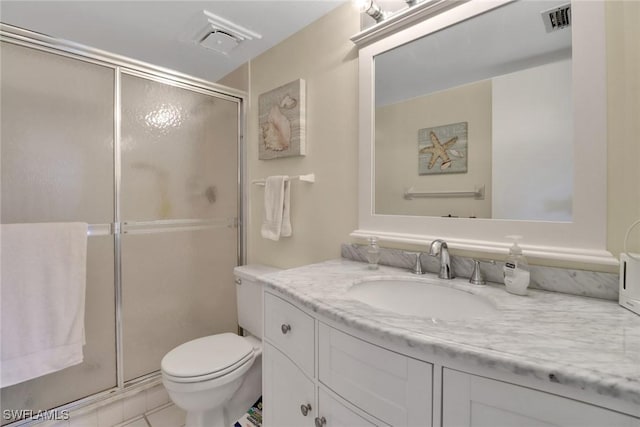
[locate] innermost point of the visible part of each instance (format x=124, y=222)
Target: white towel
x=43, y=282
x=277, y=222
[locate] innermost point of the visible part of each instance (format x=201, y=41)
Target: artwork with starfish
x=438, y=157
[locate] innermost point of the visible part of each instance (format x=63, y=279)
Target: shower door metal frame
x=123, y=65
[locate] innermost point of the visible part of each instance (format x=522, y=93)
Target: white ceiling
x=151, y=31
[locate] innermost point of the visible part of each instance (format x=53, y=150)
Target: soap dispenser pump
x=516, y=269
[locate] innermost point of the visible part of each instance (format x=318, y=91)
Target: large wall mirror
x=483, y=120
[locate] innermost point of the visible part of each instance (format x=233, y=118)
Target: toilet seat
x=207, y=358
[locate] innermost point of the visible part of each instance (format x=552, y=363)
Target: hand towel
x=286, y=230
x=43, y=282
x=277, y=221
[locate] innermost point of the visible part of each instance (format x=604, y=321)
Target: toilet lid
x=207, y=355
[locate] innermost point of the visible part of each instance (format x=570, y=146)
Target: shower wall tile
x=137, y=422
x=63, y=423
x=135, y=405
x=157, y=396
x=119, y=410
x=111, y=414
x=89, y=419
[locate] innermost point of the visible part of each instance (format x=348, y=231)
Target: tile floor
x=147, y=408
x=168, y=415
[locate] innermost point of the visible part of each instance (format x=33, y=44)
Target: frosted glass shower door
x=57, y=133
x=179, y=207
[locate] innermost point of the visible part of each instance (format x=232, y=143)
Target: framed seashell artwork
x=281, y=117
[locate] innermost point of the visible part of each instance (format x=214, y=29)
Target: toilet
x=216, y=378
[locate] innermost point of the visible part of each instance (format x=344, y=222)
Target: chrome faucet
x=439, y=247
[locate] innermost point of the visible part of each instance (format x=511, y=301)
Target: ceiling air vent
x=219, y=41
x=557, y=18
x=216, y=33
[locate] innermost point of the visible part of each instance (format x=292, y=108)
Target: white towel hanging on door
x=43, y=285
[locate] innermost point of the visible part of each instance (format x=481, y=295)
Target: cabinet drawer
x=469, y=400
x=291, y=331
x=338, y=415
x=389, y=386
x=286, y=391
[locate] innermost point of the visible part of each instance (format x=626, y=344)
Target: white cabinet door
x=472, y=401
x=287, y=392
x=390, y=386
x=334, y=414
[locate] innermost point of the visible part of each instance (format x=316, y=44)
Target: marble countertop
x=581, y=342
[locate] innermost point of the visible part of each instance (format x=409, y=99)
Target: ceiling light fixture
x=371, y=8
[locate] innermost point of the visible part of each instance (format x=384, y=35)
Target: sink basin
x=420, y=297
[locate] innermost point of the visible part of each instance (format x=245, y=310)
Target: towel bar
x=311, y=178
x=477, y=194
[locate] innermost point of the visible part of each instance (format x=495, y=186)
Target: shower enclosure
x=151, y=160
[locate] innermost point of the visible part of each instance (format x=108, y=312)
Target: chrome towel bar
x=311, y=178
x=477, y=194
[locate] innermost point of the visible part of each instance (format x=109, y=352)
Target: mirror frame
x=584, y=239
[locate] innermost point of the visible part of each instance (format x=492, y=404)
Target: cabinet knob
x=305, y=409
x=320, y=422
x=285, y=328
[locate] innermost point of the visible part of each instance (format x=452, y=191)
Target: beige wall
x=396, y=152
x=238, y=78
x=324, y=213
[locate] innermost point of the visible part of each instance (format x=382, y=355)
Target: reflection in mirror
x=485, y=104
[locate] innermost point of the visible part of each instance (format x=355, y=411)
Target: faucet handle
x=476, y=276
x=417, y=268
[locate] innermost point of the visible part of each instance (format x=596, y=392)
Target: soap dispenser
x=373, y=253
x=516, y=269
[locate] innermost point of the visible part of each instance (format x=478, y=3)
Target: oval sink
x=425, y=298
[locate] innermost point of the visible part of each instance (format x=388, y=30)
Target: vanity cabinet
x=358, y=384
x=318, y=372
x=474, y=401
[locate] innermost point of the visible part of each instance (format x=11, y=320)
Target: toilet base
x=240, y=395
x=247, y=394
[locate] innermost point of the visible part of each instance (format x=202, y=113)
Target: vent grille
x=557, y=18
x=215, y=32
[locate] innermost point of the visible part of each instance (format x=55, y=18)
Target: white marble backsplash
x=574, y=282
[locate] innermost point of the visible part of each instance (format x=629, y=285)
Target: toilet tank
x=249, y=296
